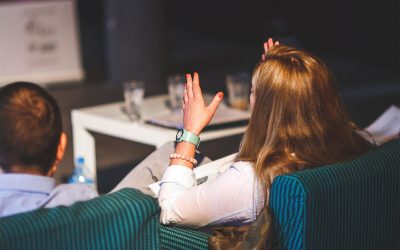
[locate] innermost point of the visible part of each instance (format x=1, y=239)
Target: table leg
x=84, y=146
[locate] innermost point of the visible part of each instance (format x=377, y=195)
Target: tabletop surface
x=109, y=119
x=156, y=107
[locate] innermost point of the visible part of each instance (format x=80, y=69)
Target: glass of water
x=133, y=96
x=176, y=88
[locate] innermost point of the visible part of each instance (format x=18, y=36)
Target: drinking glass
x=238, y=90
x=176, y=90
x=133, y=96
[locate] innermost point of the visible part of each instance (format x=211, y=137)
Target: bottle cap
x=80, y=160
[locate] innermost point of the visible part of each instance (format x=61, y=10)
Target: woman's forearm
x=186, y=149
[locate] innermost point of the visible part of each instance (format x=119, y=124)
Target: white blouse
x=233, y=197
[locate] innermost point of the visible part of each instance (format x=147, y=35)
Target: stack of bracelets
x=183, y=157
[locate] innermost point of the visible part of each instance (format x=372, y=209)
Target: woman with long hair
x=298, y=121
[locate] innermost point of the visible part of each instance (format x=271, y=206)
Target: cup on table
x=238, y=90
x=176, y=89
x=133, y=97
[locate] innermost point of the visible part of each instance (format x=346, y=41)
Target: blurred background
x=119, y=40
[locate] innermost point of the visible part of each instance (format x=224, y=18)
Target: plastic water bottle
x=82, y=174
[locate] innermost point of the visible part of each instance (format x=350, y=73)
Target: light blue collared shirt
x=25, y=192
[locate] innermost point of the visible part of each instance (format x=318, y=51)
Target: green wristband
x=184, y=135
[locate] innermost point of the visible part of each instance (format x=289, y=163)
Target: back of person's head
x=30, y=127
x=298, y=119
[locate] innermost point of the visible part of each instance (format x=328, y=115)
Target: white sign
x=39, y=42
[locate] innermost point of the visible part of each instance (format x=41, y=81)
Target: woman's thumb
x=216, y=101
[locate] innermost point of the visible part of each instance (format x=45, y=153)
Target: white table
x=109, y=119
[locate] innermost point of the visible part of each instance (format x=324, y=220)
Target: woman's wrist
x=193, y=130
x=186, y=149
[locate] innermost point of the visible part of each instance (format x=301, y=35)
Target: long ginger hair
x=298, y=120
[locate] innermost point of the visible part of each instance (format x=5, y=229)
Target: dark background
x=363, y=32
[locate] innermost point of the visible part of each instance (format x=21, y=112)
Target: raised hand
x=196, y=115
x=267, y=46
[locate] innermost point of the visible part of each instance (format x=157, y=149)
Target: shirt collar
x=27, y=182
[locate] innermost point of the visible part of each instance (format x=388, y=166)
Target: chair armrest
x=176, y=238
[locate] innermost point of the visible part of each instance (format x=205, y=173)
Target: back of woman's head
x=298, y=119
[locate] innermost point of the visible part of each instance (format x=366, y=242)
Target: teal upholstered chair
x=108, y=222
x=351, y=205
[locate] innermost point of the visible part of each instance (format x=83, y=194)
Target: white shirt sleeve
x=230, y=197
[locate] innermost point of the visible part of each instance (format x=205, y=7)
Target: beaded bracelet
x=183, y=157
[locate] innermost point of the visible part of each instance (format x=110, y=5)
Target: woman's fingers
x=189, y=85
x=270, y=43
x=196, y=115
x=196, y=85
x=185, y=95
x=192, y=88
x=266, y=47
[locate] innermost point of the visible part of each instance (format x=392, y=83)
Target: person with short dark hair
x=31, y=146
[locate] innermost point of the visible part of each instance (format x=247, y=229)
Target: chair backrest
x=349, y=205
x=126, y=219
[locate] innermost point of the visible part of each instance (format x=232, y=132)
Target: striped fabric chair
x=110, y=221
x=351, y=205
